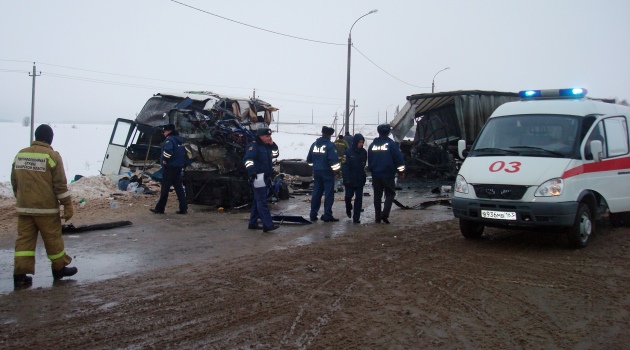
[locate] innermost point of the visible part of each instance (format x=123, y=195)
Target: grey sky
x=498, y=45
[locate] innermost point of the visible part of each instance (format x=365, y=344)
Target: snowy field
x=83, y=146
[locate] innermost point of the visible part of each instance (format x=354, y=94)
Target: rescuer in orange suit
x=39, y=185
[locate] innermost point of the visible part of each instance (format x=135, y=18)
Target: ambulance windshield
x=528, y=135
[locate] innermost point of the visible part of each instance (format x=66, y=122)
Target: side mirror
x=461, y=149
x=596, y=150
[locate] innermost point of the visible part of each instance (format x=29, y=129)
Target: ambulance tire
x=470, y=229
x=581, y=231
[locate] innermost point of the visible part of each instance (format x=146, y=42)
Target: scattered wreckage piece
x=290, y=219
x=424, y=205
x=70, y=228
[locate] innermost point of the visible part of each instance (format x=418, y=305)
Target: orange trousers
x=50, y=228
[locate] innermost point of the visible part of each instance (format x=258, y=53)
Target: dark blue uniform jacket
x=353, y=169
x=173, y=151
x=385, y=158
x=258, y=158
x=323, y=155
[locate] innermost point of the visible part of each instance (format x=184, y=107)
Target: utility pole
x=354, y=111
x=278, y=122
x=254, y=94
x=33, y=101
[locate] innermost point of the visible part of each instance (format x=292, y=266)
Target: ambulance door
x=612, y=174
x=117, y=146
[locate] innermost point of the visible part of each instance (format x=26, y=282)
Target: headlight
x=550, y=188
x=461, y=185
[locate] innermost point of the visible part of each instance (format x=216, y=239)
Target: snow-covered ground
x=83, y=146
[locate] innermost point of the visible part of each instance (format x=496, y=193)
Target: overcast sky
x=101, y=60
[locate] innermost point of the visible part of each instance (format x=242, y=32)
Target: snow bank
x=89, y=187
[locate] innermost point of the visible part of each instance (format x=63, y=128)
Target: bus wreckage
x=216, y=128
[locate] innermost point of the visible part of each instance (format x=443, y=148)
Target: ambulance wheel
x=470, y=229
x=582, y=229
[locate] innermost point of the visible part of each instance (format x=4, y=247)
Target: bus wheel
x=470, y=229
x=582, y=229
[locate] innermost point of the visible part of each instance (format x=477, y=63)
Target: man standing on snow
x=354, y=178
x=258, y=162
x=384, y=160
x=173, y=160
x=39, y=185
x=322, y=156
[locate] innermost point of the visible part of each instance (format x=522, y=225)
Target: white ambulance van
x=555, y=159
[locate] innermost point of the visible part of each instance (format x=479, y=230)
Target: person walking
x=323, y=157
x=342, y=146
x=384, y=160
x=39, y=186
x=354, y=178
x=173, y=160
x=258, y=162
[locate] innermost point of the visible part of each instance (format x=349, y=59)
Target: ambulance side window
x=616, y=136
x=597, y=134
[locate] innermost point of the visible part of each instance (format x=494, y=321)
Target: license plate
x=499, y=215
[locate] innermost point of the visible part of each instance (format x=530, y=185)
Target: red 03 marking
x=512, y=167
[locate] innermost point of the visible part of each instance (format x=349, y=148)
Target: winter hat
x=44, y=133
x=327, y=131
x=169, y=127
x=384, y=129
x=263, y=131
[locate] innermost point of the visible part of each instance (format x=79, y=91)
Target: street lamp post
x=386, y=108
x=433, y=82
x=348, y=75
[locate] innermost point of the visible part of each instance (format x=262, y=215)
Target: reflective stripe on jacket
x=38, y=180
x=258, y=158
x=385, y=158
x=173, y=151
x=323, y=155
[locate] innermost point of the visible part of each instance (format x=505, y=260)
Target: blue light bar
x=553, y=93
x=529, y=93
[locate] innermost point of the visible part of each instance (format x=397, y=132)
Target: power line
x=386, y=72
x=117, y=83
x=251, y=26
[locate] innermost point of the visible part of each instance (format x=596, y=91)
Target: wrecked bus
x=216, y=128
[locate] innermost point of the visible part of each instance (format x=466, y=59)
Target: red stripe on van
x=622, y=163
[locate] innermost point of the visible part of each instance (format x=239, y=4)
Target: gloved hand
x=252, y=177
x=68, y=211
x=347, y=183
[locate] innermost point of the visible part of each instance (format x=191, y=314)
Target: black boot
x=349, y=207
x=22, y=280
x=65, y=272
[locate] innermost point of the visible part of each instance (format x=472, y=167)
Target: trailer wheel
x=470, y=229
x=582, y=229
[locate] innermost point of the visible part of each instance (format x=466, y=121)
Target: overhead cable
x=251, y=26
x=386, y=72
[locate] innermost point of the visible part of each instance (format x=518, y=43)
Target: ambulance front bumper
x=526, y=214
